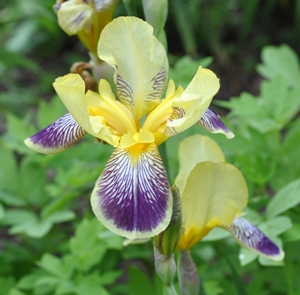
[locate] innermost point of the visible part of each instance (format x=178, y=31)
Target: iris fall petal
x=132, y=196
x=57, y=137
x=249, y=236
x=212, y=122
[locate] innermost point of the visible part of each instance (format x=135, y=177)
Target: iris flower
x=132, y=196
x=86, y=18
x=214, y=194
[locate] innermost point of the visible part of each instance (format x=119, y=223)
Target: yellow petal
x=194, y=101
x=193, y=150
x=75, y=16
x=215, y=193
x=106, y=106
x=71, y=90
x=141, y=137
x=139, y=60
x=163, y=111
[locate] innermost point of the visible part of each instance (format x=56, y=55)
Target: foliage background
x=51, y=243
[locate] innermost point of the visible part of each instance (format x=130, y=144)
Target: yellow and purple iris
x=132, y=196
x=214, y=194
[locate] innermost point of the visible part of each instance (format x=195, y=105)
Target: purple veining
x=134, y=197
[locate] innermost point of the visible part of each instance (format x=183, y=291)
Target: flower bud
x=165, y=266
x=167, y=240
x=188, y=274
x=156, y=12
x=85, y=18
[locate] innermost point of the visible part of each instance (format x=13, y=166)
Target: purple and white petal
x=132, y=196
x=57, y=137
x=212, y=122
x=249, y=236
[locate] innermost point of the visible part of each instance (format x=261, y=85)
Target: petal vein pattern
x=125, y=92
x=159, y=82
x=57, y=137
x=132, y=196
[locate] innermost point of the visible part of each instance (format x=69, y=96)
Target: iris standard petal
x=214, y=194
x=57, y=137
x=193, y=150
x=132, y=196
x=193, y=102
x=139, y=60
x=212, y=122
x=249, y=236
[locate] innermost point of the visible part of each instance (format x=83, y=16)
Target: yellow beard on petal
x=136, y=151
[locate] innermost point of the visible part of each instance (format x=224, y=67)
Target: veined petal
x=193, y=102
x=74, y=16
x=139, y=60
x=212, y=122
x=199, y=149
x=214, y=194
x=132, y=196
x=249, y=236
x=57, y=137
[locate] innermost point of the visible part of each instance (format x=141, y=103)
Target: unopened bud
x=188, y=274
x=165, y=267
x=156, y=12
x=167, y=240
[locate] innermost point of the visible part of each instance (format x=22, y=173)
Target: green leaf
x=55, y=266
x=27, y=282
x=212, y=287
x=246, y=256
x=277, y=225
x=6, y=284
x=46, y=117
x=280, y=60
x=8, y=169
x=90, y=284
x=110, y=277
x=185, y=68
x=293, y=234
x=32, y=182
x=17, y=132
x=86, y=246
x=286, y=198
x=139, y=282
x=65, y=288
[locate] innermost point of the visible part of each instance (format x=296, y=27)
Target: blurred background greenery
x=51, y=243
